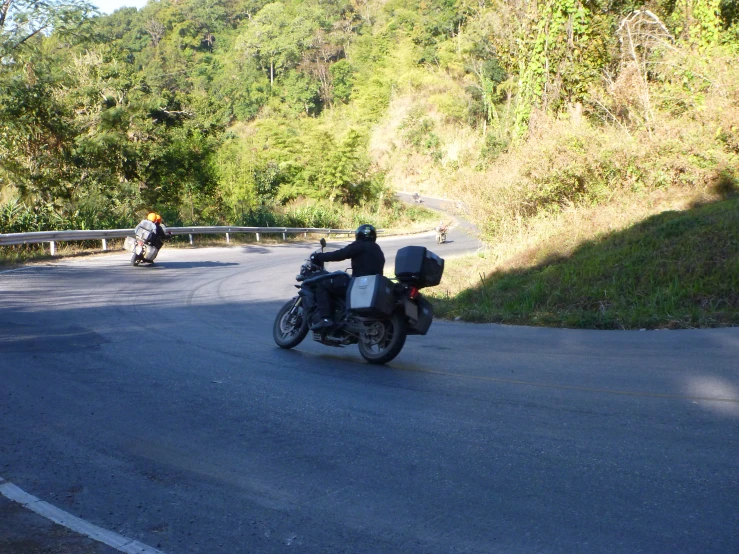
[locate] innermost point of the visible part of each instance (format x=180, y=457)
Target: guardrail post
x=190, y=239
x=257, y=237
x=105, y=244
x=228, y=239
x=52, y=247
x=284, y=237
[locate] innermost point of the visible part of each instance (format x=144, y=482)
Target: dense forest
x=312, y=111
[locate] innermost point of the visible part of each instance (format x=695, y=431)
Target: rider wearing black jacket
x=367, y=259
x=161, y=233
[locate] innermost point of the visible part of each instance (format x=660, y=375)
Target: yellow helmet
x=152, y=217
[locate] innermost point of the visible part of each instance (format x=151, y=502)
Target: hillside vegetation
x=676, y=269
x=559, y=123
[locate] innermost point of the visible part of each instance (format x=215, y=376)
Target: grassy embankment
x=676, y=269
x=631, y=222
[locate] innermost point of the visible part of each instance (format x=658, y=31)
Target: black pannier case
x=371, y=295
x=418, y=266
x=420, y=314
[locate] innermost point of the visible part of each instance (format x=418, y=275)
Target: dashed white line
x=119, y=542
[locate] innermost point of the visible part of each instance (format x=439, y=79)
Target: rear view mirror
x=323, y=242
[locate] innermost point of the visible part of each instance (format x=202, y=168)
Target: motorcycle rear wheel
x=388, y=345
x=135, y=260
x=289, y=328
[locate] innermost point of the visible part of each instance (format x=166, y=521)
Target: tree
x=342, y=80
x=276, y=37
x=156, y=30
x=22, y=20
x=301, y=93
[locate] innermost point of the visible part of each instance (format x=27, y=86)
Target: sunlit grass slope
x=672, y=270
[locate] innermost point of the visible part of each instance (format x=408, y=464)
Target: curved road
x=152, y=401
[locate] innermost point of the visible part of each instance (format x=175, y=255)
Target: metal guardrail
x=52, y=237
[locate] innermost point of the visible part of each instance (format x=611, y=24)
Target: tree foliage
x=22, y=21
x=212, y=107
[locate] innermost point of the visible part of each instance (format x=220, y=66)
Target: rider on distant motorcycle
x=441, y=231
x=367, y=259
x=153, y=224
x=161, y=232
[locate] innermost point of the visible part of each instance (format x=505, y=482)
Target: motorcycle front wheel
x=290, y=325
x=383, y=340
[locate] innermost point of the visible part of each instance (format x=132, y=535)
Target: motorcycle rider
x=441, y=231
x=367, y=259
x=153, y=224
x=149, y=224
x=161, y=232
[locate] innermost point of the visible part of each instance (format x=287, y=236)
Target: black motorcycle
x=377, y=313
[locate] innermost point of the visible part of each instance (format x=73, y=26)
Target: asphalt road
x=152, y=401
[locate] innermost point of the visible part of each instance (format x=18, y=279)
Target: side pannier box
x=420, y=314
x=151, y=252
x=371, y=295
x=419, y=266
x=129, y=244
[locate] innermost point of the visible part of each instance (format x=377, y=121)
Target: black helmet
x=366, y=232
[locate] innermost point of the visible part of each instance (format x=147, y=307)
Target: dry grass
x=575, y=181
x=537, y=240
x=411, y=170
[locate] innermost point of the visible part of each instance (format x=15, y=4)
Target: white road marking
x=119, y=542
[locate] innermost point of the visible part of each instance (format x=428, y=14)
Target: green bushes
x=18, y=217
x=381, y=213
x=418, y=132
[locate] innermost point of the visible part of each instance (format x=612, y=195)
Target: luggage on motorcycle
x=144, y=234
x=151, y=253
x=418, y=266
x=371, y=295
x=420, y=313
x=129, y=244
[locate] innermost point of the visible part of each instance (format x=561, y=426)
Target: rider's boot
x=322, y=323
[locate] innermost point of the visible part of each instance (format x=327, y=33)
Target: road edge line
x=65, y=519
